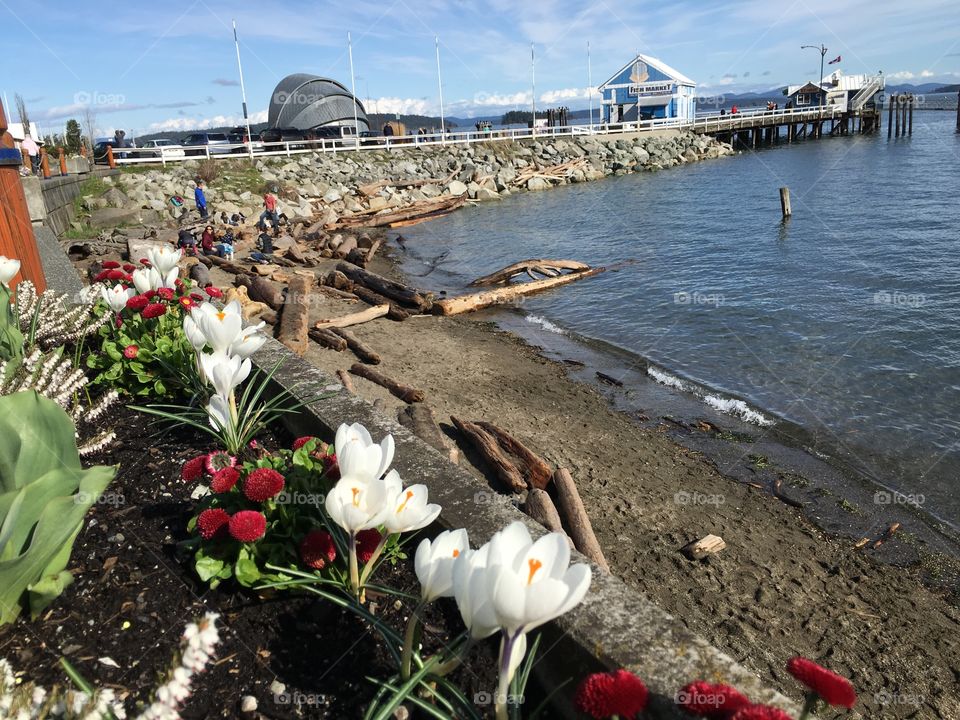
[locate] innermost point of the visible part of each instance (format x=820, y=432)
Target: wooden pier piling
x=785, y=202
x=63, y=163
x=891, y=101
x=910, y=130
x=958, y=110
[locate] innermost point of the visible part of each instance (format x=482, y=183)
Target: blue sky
x=148, y=67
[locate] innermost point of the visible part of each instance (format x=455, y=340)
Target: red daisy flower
x=144, y=261
x=833, y=688
x=262, y=484
x=127, y=267
x=151, y=294
x=178, y=282
x=197, y=297
x=212, y=521
x=367, y=541
x=710, y=700
x=213, y=292
x=116, y=275
x=110, y=265
x=138, y=303
x=165, y=293
x=193, y=469
x=218, y=460
x=603, y=695
x=101, y=276
x=131, y=351
x=154, y=310
x=300, y=442
x=223, y=480
x=317, y=549
x=186, y=302
x=248, y=526
x=760, y=712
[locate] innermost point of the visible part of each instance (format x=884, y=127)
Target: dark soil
x=121, y=620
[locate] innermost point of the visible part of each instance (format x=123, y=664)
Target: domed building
x=306, y=102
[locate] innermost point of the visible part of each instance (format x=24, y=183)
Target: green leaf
x=246, y=572
x=207, y=567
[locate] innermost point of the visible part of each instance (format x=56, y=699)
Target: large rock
x=115, y=198
x=457, y=188
x=537, y=184
x=486, y=194
x=112, y=217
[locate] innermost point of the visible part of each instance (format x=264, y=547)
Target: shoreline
x=782, y=587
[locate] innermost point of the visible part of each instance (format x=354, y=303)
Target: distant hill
x=947, y=89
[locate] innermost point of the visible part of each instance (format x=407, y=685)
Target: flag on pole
x=835, y=60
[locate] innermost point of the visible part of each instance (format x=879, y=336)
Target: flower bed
x=304, y=559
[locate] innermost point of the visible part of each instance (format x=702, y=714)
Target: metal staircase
x=874, y=85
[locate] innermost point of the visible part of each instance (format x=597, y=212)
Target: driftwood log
x=360, y=348
x=423, y=208
x=507, y=293
x=419, y=419
x=539, y=472
x=374, y=298
x=356, y=318
x=404, y=392
x=200, y=275
x=544, y=267
x=327, y=339
x=337, y=294
x=503, y=467
x=294, y=322
x=707, y=545
x=577, y=520
x=540, y=507
x=261, y=290
x=397, y=292
x=345, y=380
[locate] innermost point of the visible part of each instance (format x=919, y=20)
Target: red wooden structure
x=16, y=231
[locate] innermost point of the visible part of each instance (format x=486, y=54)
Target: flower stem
x=408, y=641
x=506, y=649
x=354, y=570
x=809, y=705
x=368, y=566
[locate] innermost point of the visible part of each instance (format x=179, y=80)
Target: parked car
x=238, y=135
x=100, y=150
x=287, y=135
x=215, y=142
x=162, y=148
x=371, y=137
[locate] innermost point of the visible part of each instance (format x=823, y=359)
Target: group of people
x=211, y=242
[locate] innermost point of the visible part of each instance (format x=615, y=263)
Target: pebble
x=248, y=707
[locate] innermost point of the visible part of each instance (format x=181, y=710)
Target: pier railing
x=706, y=123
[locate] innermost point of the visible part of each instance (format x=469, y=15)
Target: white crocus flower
x=116, y=297
x=221, y=327
x=194, y=335
x=409, y=509
x=166, y=279
x=526, y=584
x=218, y=410
x=249, y=341
x=434, y=561
x=225, y=372
x=141, y=280
x=357, y=504
x=8, y=268
x=358, y=455
x=472, y=594
x=164, y=258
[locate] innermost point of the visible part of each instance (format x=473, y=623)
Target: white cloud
x=404, y=106
x=180, y=124
x=907, y=75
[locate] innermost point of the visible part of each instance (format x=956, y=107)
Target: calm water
x=844, y=320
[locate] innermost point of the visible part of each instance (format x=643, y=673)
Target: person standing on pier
x=200, y=199
x=270, y=212
x=33, y=151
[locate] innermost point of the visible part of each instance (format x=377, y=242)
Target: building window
x=803, y=99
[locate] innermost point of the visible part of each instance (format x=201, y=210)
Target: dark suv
x=194, y=144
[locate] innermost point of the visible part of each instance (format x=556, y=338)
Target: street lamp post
x=823, y=51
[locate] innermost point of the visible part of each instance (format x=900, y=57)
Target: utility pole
x=443, y=129
x=823, y=51
x=243, y=92
x=590, y=84
x=533, y=89
x=353, y=88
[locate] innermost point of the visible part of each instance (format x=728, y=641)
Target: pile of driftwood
x=521, y=470
x=412, y=214
x=553, y=173
x=371, y=189
x=543, y=274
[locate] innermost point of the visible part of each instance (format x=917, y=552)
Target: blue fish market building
x=647, y=87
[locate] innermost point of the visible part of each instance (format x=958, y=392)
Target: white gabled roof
x=654, y=63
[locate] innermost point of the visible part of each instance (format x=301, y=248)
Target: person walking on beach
x=33, y=151
x=270, y=213
x=200, y=199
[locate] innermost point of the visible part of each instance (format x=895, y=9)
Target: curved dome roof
x=307, y=101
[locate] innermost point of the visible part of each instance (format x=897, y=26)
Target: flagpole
x=533, y=88
x=243, y=92
x=590, y=85
x=353, y=86
x=443, y=132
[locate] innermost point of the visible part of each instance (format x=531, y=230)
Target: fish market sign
x=651, y=89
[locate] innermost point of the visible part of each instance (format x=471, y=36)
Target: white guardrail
x=706, y=122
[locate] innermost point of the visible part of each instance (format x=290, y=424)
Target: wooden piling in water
x=896, y=116
x=958, y=110
x=891, y=101
x=785, y=202
x=910, y=131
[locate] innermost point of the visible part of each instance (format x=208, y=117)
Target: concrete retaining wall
x=51, y=201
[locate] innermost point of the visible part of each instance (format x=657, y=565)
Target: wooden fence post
x=63, y=163
x=110, y=160
x=16, y=231
x=44, y=163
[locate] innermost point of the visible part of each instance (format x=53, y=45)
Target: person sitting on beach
x=264, y=248
x=237, y=218
x=207, y=240
x=225, y=248
x=187, y=242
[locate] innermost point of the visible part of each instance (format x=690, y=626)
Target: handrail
x=706, y=121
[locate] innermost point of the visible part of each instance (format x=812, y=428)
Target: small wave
x=729, y=406
x=545, y=324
